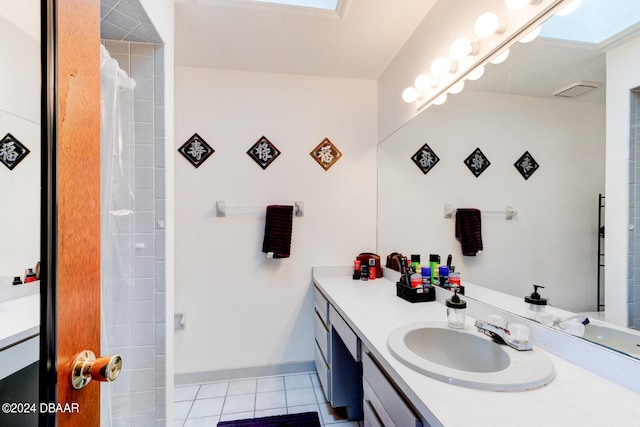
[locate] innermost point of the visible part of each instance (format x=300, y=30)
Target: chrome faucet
x=502, y=336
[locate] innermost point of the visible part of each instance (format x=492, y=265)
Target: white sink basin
x=468, y=358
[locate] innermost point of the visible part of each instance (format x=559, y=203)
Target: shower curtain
x=117, y=228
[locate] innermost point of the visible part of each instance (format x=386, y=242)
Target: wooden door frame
x=48, y=223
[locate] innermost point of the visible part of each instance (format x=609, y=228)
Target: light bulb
x=501, y=58
x=519, y=4
x=423, y=82
x=462, y=47
x=441, y=99
x=531, y=35
x=516, y=4
x=441, y=67
x=476, y=73
x=569, y=8
x=456, y=88
x=410, y=95
x=488, y=24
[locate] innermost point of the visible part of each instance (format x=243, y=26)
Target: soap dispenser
x=456, y=311
x=536, y=308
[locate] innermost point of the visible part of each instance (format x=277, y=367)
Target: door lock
x=86, y=367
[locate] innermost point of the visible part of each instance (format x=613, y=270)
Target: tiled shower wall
x=634, y=212
x=142, y=394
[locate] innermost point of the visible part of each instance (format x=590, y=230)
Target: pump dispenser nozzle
x=535, y=297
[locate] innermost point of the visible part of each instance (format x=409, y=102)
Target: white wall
x=553, y=239
x=623, y=74
x=20, y=116
x=243, y=310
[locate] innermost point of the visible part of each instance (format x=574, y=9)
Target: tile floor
x=206, y=404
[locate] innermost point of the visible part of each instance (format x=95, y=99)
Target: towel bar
x=508, y=212
x=222, y=209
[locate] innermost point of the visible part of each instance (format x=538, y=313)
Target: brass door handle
x=86, y=366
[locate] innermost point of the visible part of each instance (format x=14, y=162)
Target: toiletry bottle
x=434, y=261
x=30, y=276
x=372, y=269
x=17, y=281
x=536, y=307
x=416, y=280
x=443, y=272
x=364, y=272
x=426, y=276
x=456, y=311
x=415, y=263
x=454, y=279
x=356, y=269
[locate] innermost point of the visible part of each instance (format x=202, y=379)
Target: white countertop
x=575, y=397
x=19, y=319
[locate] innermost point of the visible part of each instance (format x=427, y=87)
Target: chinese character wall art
x=12, y=151
x=326, y=154
x=196, y=150
x=526, y=165
x=263, y=152
x=425, y=158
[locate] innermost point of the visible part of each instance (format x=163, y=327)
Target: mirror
x=20, y=209
x=554, y=238
x=19, y=139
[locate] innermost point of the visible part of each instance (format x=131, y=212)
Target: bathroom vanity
x=364, y=313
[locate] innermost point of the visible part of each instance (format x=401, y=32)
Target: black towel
x=277, y=231
x=469, y=231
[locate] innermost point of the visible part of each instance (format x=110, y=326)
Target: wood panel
x=78, y=201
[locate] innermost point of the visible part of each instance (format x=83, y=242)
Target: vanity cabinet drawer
x=374, y=413
x=323, y=373
x=389, y=401
x=322, y=337
x=321, y=306
x=347, y=335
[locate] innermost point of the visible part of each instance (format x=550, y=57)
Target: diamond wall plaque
x=12, y=151
x=526, y=165
x=263, y=152
x=196, y=150
x=477, y=162
x=326, y=154
x=425, y=158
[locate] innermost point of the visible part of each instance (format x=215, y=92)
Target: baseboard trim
x=250, y=372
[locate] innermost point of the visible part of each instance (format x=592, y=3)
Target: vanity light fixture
x=489, y=24
x=423, y=82
x=462, y=48
x=519, y=4
x=531, y=35
x=501, y=58
x=569, y=8
x=440, y=67
x=410, y=95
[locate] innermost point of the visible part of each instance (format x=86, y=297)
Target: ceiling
x=251, y=36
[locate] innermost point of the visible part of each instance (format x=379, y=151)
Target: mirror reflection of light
x=476, y=74
x=440, y=100
x=531, y=35
x=456, y=88
x=501, y=58
x=569, y=8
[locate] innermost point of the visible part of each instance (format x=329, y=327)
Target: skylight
x=314, y=4
x=595, y=21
